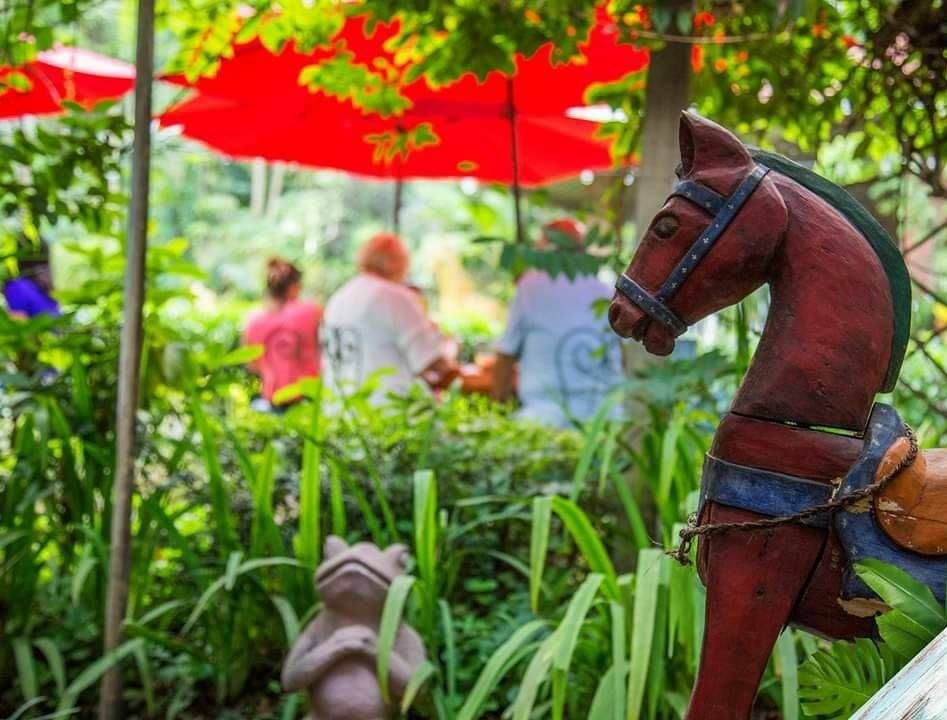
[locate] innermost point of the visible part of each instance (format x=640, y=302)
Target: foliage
x=67, y=169
x=839, y=680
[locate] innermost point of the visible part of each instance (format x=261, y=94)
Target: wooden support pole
x=110, y=699
x=398, y=205
x=515, y=159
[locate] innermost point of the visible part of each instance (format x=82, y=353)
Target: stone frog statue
x=335, y=657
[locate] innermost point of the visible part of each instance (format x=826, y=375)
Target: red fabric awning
x=64, y=74
x=254, y=106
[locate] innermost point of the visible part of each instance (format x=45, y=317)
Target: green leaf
x=495, y=668
x=538, y=545
x=420, y=676
x=603, y=702
x=619, y=669
x=388, y=628
x=536, y=673
x=585, y=536
x=243, y=355
x=569, y=630
x=904, y=594
x=838, y=681
x=87, y=561
x=288, y=616
x=54, y=661
x=231, y=576
x=94, y=672
x=789, y=671
x=25, y=667
x=647, y=585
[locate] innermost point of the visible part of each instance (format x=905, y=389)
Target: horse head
x=710, y=245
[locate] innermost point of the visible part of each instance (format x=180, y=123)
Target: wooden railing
x=918, y=692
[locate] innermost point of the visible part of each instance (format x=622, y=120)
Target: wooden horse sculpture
x=835, y=337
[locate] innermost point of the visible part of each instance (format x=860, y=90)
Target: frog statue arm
x=313, y=654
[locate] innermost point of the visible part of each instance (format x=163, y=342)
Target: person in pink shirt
x=288, y=330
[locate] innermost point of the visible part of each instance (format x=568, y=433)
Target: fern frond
x=834, y=683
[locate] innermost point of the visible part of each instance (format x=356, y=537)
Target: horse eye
x=665, y=226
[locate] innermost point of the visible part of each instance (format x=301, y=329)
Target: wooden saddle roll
x=912, y=509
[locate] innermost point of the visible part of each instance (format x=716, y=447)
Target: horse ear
x=706, y=145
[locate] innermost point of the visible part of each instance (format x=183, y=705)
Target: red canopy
x=60, y=75
x=327, y=134
x=255, y=107
x=541, y=84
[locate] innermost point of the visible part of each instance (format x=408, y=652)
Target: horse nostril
x=640, y=327
x=614, y=315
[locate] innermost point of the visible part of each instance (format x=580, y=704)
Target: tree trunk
x=277, y=174
x=258, y=186
x=668, y=93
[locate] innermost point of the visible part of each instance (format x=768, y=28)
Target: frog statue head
x=357, y=577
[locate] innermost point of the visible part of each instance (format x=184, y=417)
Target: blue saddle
x=775, y=495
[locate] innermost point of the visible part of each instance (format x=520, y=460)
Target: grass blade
x=450, y=647
x=54, y=661
x=25, y=667
x=536, y=673
x=287, y=614
x=788, y=663
x=585, y=536
x=538, y=546
x=647, y=585
x=569, y=631
x=495, y=668
x=337, y=502
x=93, y=672
x=388, y=628
x=619, y=667
x=415, y=683
x=308, y=542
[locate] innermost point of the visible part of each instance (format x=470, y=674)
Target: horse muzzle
x=630, y=321
x=626, y=318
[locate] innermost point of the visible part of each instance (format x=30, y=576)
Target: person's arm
x=504, y=372
x=508, y=350
x=440, y=373
x=420, y=342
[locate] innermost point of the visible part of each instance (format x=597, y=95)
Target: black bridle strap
x=656, y=305
x=651, y=305
x=700, y=195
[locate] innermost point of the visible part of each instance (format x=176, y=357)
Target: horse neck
x=825, y=348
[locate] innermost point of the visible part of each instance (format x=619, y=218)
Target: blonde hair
x=384, y=254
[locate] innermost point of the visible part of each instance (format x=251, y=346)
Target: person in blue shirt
x=568, y=359
x=30, y=293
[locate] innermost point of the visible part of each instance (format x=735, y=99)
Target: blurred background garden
x=542, y=588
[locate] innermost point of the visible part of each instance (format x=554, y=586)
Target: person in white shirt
x=376, y=322
x=568, y=358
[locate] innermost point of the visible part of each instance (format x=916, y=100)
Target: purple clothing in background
x=26, y=297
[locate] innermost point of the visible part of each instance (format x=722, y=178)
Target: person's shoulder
x=532, y=281
x=255, y=322
x=307, y=308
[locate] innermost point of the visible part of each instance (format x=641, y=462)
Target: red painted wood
x=819, y=611
x=820, y=362
x=784, y=448
x=826, y=344
x=825, y=348
x=753, y=581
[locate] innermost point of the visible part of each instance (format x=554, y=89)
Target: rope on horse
x=693, y=529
